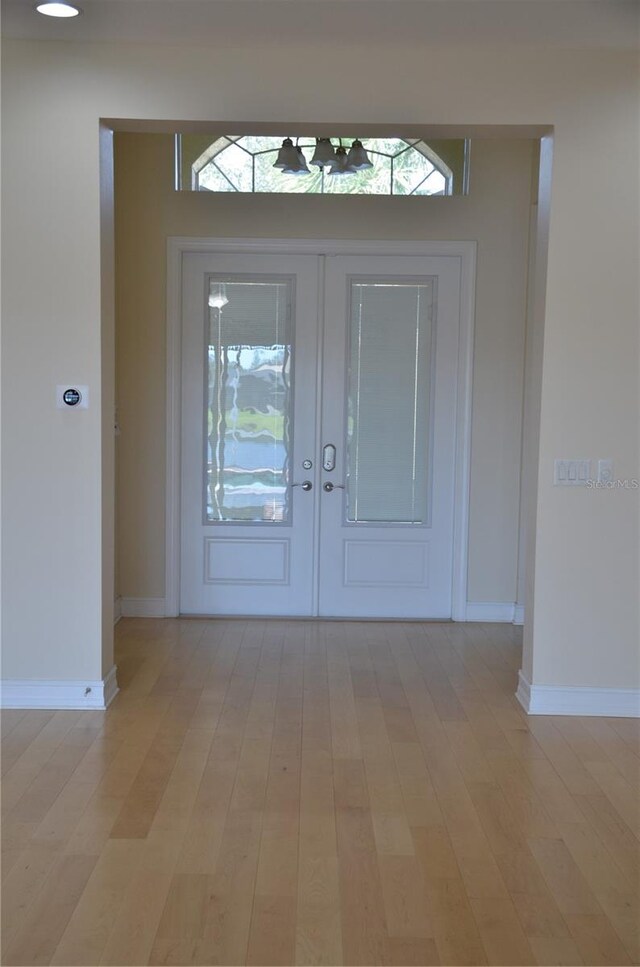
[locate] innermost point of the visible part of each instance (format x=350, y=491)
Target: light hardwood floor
x=314, y=792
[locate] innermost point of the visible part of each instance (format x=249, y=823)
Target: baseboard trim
x=497, y=611
x=577, y=700
x=489, y=611
x=117, y=611
x=518, y=614
x=94, y=696
x=143, y=607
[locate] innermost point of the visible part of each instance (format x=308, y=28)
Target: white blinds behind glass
x=389, y=391
x=257, y=313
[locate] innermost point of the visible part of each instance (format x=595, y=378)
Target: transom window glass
x=245, y=164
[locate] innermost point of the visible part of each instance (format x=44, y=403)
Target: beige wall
x=585, y=559
x=496, y=214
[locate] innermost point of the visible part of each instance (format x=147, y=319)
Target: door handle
x=306, y=485
x=329, y=486
x=329, y=457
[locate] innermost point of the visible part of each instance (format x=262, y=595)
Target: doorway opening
x=484, y=582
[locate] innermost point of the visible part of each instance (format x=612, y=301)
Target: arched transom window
x=246, y=164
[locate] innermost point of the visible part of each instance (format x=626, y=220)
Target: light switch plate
x=571, y=473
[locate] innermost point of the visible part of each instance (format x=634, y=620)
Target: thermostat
x=72, y=396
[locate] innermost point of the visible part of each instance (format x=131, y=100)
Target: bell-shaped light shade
x=358, y=157
x=324, y=155
x=299, y=166
x=51, y=9
x=218, y=296
x=341, y=164
x=287, y=155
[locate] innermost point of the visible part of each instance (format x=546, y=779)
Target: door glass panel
x=249, y=399
x=389, y=400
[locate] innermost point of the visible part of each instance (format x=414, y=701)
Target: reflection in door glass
x=249, y=399
x=389, y=401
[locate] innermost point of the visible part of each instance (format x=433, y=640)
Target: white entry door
x=318, y=434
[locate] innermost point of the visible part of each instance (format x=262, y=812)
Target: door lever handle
x=306, y=485
x=329, y=486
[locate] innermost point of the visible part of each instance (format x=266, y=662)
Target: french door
x=318, y=434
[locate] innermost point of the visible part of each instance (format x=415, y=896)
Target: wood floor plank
x=625, y=758
x=9, y=718
x=456, y=931
x=23, y=735
x=421, y=804
x=21, y=884
x=607, y=823
x=341, y=694
x=46, y=918
x=406, y=904
x=364, y=926
x=90, y=924
x=318, y=924
x=502, y=934
x=575, y=773
x=567, y=884
x=131, y=933
x=18, y=773
x=596, y=940
x=616, y=893
x=622, y=795
x=272, y=940
x=555, y=951
x=408, y=952
x=477, y=863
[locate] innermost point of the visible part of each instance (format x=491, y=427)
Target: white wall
x=586, y=554
x=496, y=214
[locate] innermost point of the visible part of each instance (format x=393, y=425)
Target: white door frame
x=464, y=251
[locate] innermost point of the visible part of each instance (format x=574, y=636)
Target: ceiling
x=549, y=23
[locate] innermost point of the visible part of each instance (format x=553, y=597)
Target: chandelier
x=337, y=161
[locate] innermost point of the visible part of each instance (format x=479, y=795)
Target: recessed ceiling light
x=50, y=8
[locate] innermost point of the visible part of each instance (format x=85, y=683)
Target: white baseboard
x=59, y=695
x=490, y=611
x=143, y=607
x=117, y=611
x=577, y=700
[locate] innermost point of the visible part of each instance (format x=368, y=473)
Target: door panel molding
x=270, y=561
x=362, y=559
x=465, y=251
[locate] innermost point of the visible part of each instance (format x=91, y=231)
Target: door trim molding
x=465, y=251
